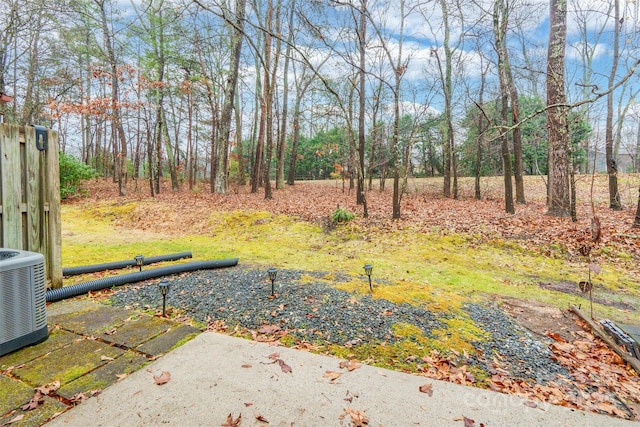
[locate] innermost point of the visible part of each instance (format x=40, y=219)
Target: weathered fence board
x=30, y=197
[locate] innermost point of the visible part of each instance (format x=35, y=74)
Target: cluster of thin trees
x=226, y=89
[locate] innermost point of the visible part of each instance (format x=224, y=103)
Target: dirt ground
x=541, y=319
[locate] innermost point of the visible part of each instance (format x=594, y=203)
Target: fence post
x=11, y=187
x=54, y=222
x=30, y=197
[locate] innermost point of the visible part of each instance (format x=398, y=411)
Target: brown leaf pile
x=40, y=393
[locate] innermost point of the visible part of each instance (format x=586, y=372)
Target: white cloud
x=575, y=50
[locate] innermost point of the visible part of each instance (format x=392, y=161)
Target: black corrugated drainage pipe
x=108, y=282
x=116, y=265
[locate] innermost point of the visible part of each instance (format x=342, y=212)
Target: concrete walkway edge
x=215, y=375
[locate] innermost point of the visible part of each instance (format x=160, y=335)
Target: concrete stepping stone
x=68, y=363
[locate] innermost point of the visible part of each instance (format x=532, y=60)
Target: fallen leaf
x=106, y=358
x=217, y=326
x=78, y=398
x=332, y=375
x=110, y=332
x=555, y=337
x=530, y=404
x=15, y=419
x=274, y=356
x=350, y=365
x=247, y=404
x=163, y=378
x=121, y=376
x=261, y=418
x=285, y=368
x=269, y=329
x=468, y=422
x=231, y=422
x=246, y=366
x=358, y=418
x=48, y=388
x=35, y=401
x=427, y=388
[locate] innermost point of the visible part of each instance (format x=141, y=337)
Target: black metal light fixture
x=272, y=276
x=139, y=259
x=368, y=268
x=164, y=287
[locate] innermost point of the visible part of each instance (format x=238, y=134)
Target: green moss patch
x=68, y=363
x=137, y=330
x=94, y=320
x=460, y=332
x=13, y=394
x=46, y=410
x=57, y=339
x=105, y=375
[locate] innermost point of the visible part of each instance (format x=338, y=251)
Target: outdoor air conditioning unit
x=23, y=311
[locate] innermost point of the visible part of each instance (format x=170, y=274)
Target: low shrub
x=72, y=173
x=342, y=215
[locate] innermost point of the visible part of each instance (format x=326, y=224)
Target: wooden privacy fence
x=30, y=196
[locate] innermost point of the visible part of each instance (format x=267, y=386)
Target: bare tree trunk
x=499, y=31
x=637, y=162
x=480, y=137
x=191, y=171
x=558, y=200
x=612, y=169
x=242, y=178
x=294, y=143
x=282, y=138
x=636, y=222
x=257, y=134
x=222, y=145
x=269, y=83
x=361, y=198
x=374, y=144
x=29, y=105
x=152, y=190
x=446, y=81
x=214, y=113
x=302, y=85
x=115, y=101
x=171, y=164
x=501, y=22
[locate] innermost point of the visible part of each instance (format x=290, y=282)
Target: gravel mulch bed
x=315, y=312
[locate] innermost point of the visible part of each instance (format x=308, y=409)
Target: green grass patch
x=437, y=270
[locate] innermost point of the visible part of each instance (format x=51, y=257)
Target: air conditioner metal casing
x=23, y=311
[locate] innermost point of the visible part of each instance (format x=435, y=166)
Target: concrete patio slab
x=215, y=375
x=165, y=342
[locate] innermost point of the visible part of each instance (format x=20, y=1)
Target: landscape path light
x=164, y=287
x=272, y=276
x=139, y=261
x=368, y=268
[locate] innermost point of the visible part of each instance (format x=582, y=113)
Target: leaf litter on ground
x=424, y=210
